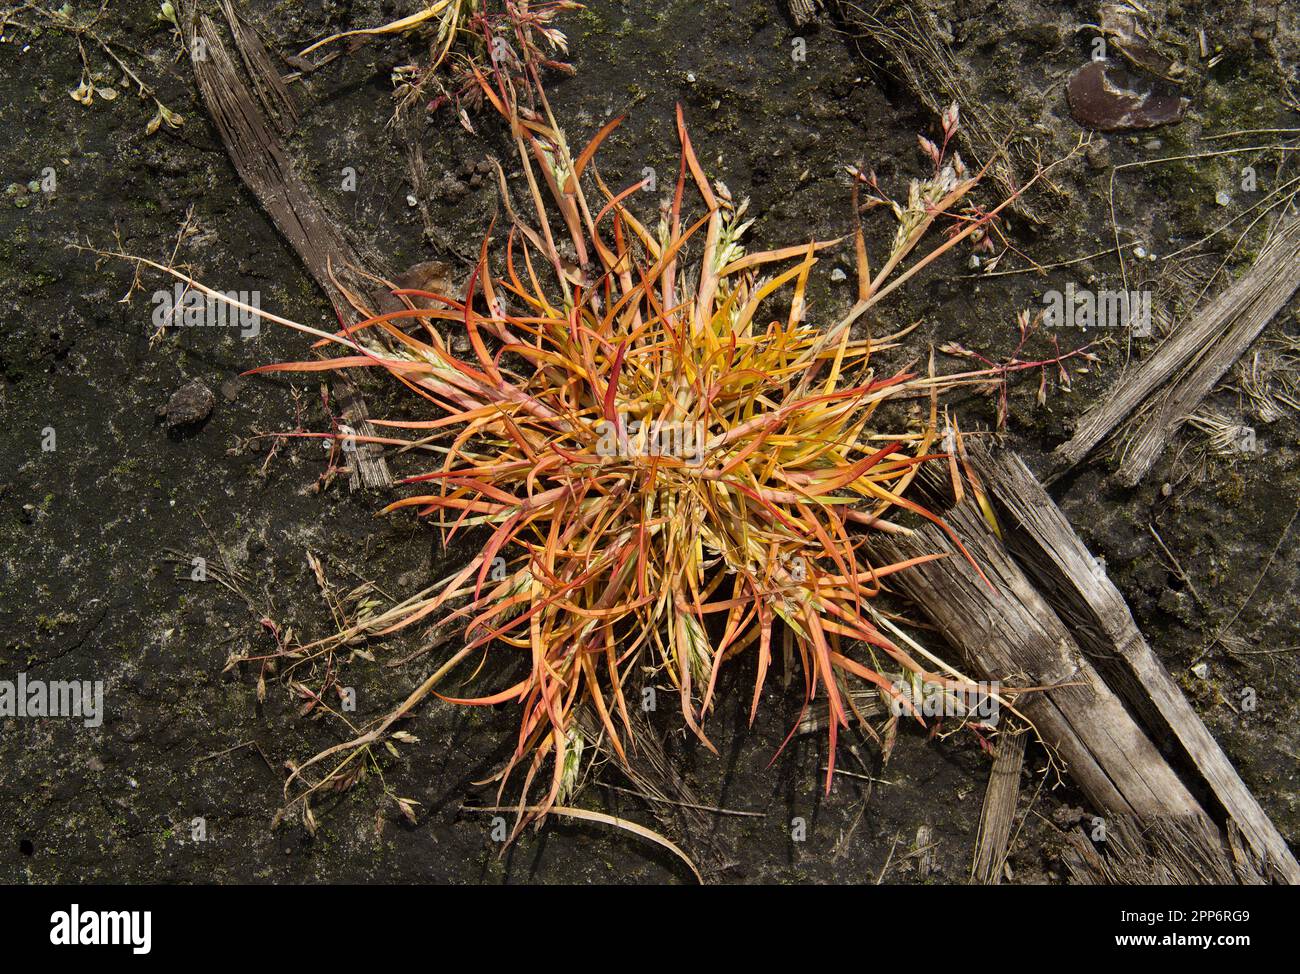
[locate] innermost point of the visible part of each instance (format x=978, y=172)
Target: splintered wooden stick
x=1051, y=617
x=1149, y=435
x=1152, y=853
x=264, y=166
x=999, y=812
x=1083, y=596
x=1169, y=385
x=1006, y=630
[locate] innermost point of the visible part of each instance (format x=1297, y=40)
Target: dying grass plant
x=671, y=466
x=470, y=39
x=667, y=475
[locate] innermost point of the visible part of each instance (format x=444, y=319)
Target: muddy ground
x=97, y=535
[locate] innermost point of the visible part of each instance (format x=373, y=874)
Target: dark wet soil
x=98, y=535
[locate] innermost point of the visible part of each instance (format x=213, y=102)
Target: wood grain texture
x=264, y=166
x=998, y=814
x=1006, y=630
x=1167, y=387
x=1084, y=598
x=1165, y=852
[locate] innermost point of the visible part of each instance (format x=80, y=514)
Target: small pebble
x=189, y=405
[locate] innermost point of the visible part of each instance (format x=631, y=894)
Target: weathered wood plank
x=1006, y=631
x=266, y=169
x=1164, y=852
x=999, y=812
x=1187, y=365
x=1151, y=433
x=1083, y=596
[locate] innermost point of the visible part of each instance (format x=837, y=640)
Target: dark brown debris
x=189, y=405
x=1108, y=97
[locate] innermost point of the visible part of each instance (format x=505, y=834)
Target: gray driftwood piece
x=1168, y=386
x=1052, y=618
x=241, y=114
x=1153, y=853
x=1085, y=599
x=1007, y=631
x=999, y=812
